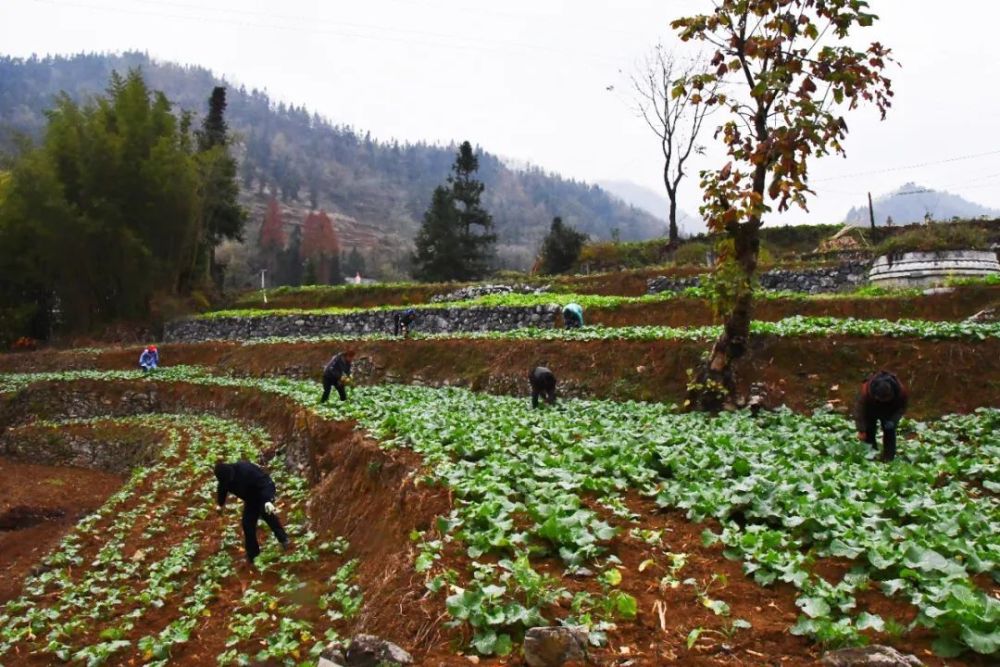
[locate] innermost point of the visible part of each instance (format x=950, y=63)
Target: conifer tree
x=561, y=247
x=456, y=240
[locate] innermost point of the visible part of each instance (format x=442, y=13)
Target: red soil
x=370, y=496
x=38, y=506
x=803, y=373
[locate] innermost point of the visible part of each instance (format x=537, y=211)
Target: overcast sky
x=528, y=79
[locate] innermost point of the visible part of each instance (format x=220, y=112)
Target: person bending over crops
x=882, y=399
x=572, y=316
x=255, y=488
x=337, y=374
x=403, y=322
x=149, y=359
x=543, y=383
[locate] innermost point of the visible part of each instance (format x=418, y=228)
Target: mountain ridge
x=308, y=162
x=911, y=203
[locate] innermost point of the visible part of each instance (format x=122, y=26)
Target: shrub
x=935, y=238
x=691, y=253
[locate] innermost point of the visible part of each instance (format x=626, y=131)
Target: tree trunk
x=672, y=196
x=713, y=385
x=673, y=222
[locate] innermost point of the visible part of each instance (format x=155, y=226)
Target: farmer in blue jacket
x=149, y=359
x=255, y=488
x=572, y=316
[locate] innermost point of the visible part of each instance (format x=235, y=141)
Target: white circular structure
x=921, y=269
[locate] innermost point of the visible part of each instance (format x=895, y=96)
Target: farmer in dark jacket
x=255, y=488
x=403, y=322
x=336, y=372
x=543, y=383
x=882, y=399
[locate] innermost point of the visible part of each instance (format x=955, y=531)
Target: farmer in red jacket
x=882, y=399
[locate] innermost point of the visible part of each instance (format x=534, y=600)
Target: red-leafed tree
x=321, y=247
x=272, y=241
x=272, y=232
x=789, y=72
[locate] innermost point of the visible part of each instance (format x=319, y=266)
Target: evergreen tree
x=291, y=259
x=354, y=263
x=478, y=239
x=222, y=215
x=309, y=272
x=456, y=241
x=438, y=254
x=214, y=129
x=561, y=247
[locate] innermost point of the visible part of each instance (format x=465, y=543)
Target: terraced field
x=451, y=521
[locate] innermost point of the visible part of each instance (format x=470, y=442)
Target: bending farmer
x=255, y=488
x=883, y=398
x=403, y=322
x=572, y=316
x=543, y=383
x=149, y=359
x=336, y=374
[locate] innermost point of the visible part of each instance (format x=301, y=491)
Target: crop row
x=797, y=326
x=787, y=491
x=585, y=300
x=90, y=603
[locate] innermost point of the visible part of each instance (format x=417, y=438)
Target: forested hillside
x=376, y=190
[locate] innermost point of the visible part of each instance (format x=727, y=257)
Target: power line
x=907, y=167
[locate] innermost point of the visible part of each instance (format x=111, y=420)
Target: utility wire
x=907, y=167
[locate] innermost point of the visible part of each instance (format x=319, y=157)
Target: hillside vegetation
x=377, y=190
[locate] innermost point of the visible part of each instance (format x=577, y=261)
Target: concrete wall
x=922, y=269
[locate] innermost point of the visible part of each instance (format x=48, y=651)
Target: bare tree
x=674, y=118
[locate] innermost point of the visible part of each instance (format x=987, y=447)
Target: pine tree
x=561, y=247
x=456, y=241
x=438, y=254
x=477, y=224
x=214, y=129
x=291, y=259
x=354, y=263
x=222, y=215
x=309, y=273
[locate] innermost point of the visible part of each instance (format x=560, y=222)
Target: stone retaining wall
x=429, y=320
x=838, y=278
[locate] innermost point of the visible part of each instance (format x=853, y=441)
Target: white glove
x=269, y=508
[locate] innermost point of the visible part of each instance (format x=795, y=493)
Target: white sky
x=528, y=79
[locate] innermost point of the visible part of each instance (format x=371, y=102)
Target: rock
x=555, y=646
x=985, y=316
x=938, y=290
x=869, y=656
x=370, y=651
x=332, y=656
